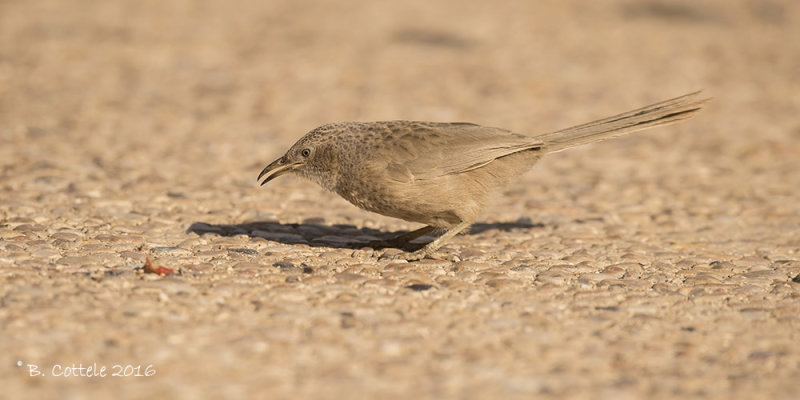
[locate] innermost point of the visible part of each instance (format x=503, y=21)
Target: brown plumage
x=441, y=174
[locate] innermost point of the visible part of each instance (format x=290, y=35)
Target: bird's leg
x=431, y=247
x=402, y=240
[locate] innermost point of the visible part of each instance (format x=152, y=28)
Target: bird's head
x=313, y=157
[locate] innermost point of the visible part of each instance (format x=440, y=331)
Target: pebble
x=93, y=259
x=350, y=278
x=502, y=283
x=169, y=251
x=26, y=228
x=46, y=253
x=66, y=236
x=557, y=278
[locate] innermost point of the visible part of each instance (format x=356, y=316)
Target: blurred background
x=237, y=82
x=169, y=109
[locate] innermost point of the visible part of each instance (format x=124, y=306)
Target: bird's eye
x=305, y=152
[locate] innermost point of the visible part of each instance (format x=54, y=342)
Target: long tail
x=663, y=113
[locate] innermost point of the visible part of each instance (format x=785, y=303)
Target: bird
x=442, y=174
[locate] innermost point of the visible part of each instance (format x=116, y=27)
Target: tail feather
x=662, y=113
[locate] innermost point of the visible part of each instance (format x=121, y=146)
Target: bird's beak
x=276, y=169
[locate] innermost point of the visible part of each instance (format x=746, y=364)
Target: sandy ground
x=658, y=265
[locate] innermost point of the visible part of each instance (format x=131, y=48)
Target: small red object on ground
x=149, y=268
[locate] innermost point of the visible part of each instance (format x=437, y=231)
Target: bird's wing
x=418, y=150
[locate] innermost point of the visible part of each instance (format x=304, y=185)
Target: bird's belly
x=438, y=202
x=442, y=201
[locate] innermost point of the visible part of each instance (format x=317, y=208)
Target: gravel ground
x=659, y=265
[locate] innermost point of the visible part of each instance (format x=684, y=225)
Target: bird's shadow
x=336, y=236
